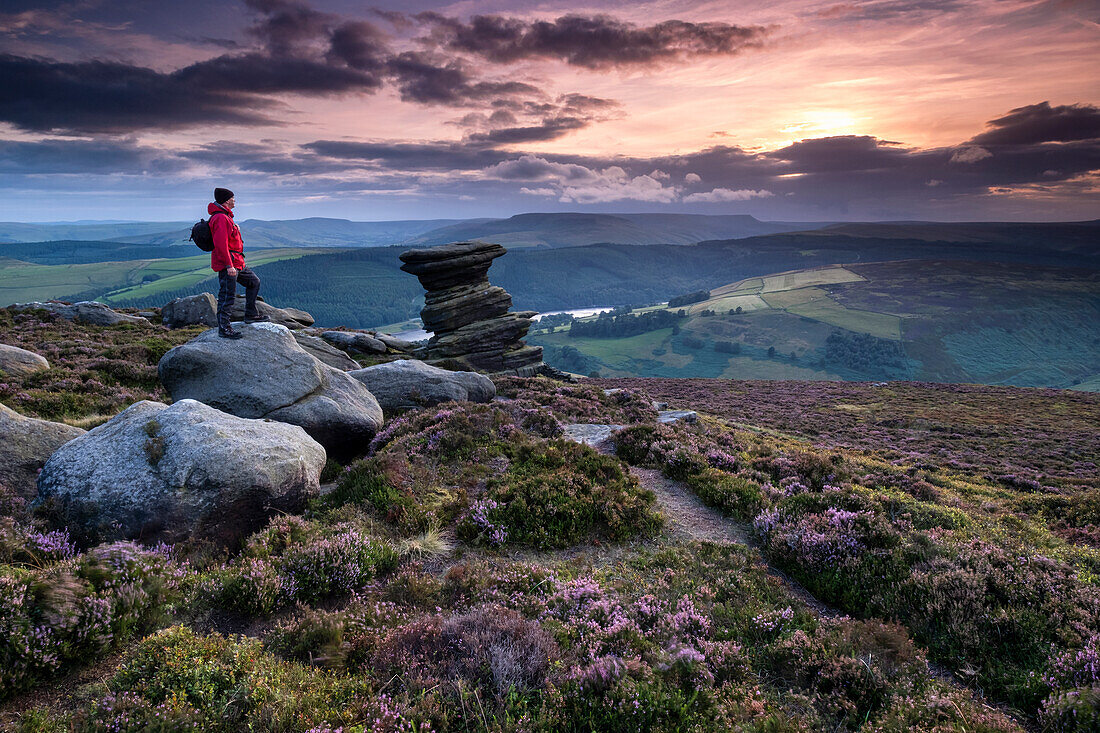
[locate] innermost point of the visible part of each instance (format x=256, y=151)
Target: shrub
x=734, y=495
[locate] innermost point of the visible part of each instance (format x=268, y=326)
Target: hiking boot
x=258, y=318
x=229, y=333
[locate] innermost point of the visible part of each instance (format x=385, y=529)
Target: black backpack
x=201, y=235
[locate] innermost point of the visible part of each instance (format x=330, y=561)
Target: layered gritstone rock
x=469, y=317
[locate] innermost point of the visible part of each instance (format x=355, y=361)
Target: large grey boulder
x=171, y=473
x=86, y=311
x=321, y=351
x=355, y=341
x=25, y=445
x=17, y=362
x=400, y=385
x=194, y=310
x=267, y=374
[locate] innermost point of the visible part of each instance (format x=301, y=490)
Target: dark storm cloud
x=359, y=45
x=842, y=153
x=1040, y=123
x=435, y=156
x=288, y=27
x=87, y=157
x=101, y=96
x=428, y=80
x=548, y=129
x=590, y=41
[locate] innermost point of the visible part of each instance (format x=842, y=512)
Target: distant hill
x=1077, y=235
x=86, y=232
x=76, y=252
x=928, y=320
x=575, y=229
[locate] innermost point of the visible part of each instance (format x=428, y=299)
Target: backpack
x=201, y=234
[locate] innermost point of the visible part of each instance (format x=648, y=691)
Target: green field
x=944, y=321
x=113, y=281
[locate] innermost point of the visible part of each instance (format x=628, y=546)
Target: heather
x=475, y=571
x=95, y=371
x=1019, y=436
x=990, y=591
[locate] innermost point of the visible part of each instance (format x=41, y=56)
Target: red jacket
x=228, y=245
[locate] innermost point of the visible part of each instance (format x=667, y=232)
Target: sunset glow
x=326, y=107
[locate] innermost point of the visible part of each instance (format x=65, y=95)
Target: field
x=113, y=281
x=808, y=556
x=938, y=321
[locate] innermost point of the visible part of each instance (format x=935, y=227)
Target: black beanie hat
x=221, y=195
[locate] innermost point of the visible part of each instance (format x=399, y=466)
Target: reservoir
x=420, y=334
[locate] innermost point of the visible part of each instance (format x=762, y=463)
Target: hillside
x=807, y=556
x=932, y=320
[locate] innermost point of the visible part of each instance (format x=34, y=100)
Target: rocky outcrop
x=468, y=316
x=267, y=374
x=408, y=383
x=202, y=309
x=188, y=471
x=356, y=342
x=194, y=310
x=25, y=445
x=323, y=352
x=289, y=317
x=17, y=362
x=86, y=311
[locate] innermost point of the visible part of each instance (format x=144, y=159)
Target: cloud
x=590, y=41
x=692, y=178
x=1041, y=123
x=548, y=129
x=431, y=80
x=970, y=154
x=725, y=194
x=878, y=10
x=67, y=157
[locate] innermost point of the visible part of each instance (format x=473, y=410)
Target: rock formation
x=468, y=316
x=160, y=473
x=267, y=374
x=86, y=311
x=17, y=362
x=325, y=352
x=202, y=309
x=408, y=383
x=26, y=443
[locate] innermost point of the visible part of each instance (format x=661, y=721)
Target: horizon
x=801, y=110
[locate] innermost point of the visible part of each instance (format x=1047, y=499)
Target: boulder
x=194, y=310
x=356, y=342
x=17, y=362
x=172, y=473
x=394, y=343
x=86, y=311
x=289, y=317
x=320, y=350
x=25, y=445
x=399, y=385
x=267, y=374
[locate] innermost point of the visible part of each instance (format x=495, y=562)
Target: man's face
x=231, y=203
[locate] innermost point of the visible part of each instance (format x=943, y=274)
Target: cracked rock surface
x=168, y=473
x=268, y=374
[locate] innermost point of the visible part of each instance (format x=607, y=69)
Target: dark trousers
x=227, y=294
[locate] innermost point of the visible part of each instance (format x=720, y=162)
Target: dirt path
x=691, y=520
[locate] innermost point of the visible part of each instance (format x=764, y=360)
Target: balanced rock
x=267, y=374
x=86, y=311
x=17, y=362
x=25, y=445
x=170, y=473
x=320, y=350
x=194, y=310
x=357, y=342
x=408, y=383
x=469, y=318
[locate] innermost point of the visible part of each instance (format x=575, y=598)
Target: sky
x=793, y=110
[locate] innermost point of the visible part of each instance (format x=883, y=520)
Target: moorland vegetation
x=475, y=571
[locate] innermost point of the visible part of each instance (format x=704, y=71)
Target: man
x=227, y=259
